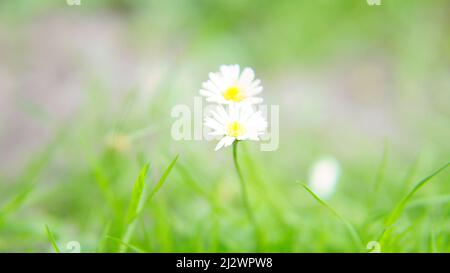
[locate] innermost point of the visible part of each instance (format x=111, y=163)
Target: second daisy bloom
x=235, y=123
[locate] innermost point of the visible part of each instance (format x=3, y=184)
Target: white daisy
x=229, y=86
x=238, y=123
x=324, y=176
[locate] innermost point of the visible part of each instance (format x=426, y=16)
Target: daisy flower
x=229, y=86
x=238, y=123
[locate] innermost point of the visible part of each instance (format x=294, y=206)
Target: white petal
x=220, y=144
x=229, y=140
x=254, y=91
x=255, y=83
x=218, y=133
x=206, y=93
x=217, y=80
x=253, y=100
x=219, y=117
x=221, y=111
x=230, y=74
x=247, y=76
x=209, y=85
x=214, y=125
x=216, y=99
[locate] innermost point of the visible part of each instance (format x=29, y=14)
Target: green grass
x=399, y=208
x=354, y=234
x=52, y=240
x=195, y=204
x=134, y=207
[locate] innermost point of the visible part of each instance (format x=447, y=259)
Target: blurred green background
x=86, y=94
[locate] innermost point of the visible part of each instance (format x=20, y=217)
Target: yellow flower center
x=233, y=93
x=235, y=129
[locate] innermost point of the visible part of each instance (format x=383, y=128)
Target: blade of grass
x=409, y=179
x=192, y=183
x=127, y=245
x=393, y=217
x=161, y=180
x=397, y=211
x=32, y=171
x=135, y=214
x=355, y=236
x=135, y=203
x=16, y=202
x=163, y=231
x=104, y=187
x=146, y=236
x=437, y=200
x=38, y=164
x=161, y=216
x=51, y=237
x=137, y=194
x=434, y=200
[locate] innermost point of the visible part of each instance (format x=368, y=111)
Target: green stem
x=127, y=236
x=245, y=199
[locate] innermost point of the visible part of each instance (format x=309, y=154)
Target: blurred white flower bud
x=324, y=176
